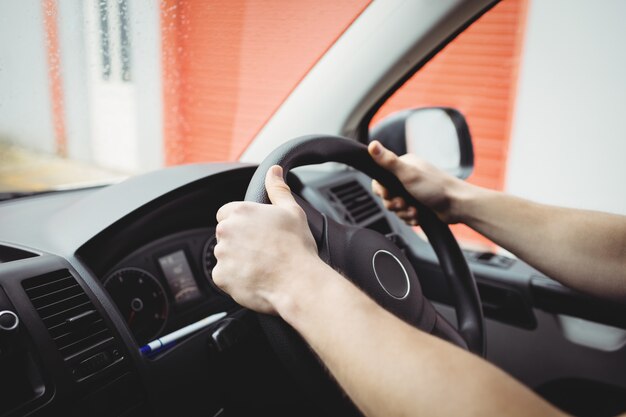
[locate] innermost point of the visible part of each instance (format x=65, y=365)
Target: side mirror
x=440, y=135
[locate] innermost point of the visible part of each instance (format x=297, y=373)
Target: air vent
x=354, y=202
x=73, y=322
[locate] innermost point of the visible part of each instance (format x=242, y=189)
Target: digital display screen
x=179, y=277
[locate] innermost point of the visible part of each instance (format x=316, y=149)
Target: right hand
x=429, y=185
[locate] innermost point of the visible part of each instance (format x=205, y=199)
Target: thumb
x=277, y=190
x=384, y=157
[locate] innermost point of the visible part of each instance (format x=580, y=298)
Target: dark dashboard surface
x=94, y=275
x=72, y=263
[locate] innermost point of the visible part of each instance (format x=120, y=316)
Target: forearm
x=582, y=249
x=389, y=368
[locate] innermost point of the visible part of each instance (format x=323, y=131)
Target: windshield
x=96, y=91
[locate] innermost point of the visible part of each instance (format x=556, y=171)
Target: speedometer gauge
x=141, y=301
x=208, y=258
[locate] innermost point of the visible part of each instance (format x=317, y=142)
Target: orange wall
x=228, y=66
x=54, y=75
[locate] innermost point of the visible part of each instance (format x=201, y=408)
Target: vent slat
x=49, y=287
x=86, y=343
x=366, y=214
x=73, y=342
x=57, y=297
x=349, y=194
x=360, y=202
x=363, y=211
x=61, y=316
x=344, y=186
x=63, y=329
x=357, y=202
x=64, y=301
x=55, y=294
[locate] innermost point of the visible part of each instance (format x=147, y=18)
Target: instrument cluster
x=166, y=284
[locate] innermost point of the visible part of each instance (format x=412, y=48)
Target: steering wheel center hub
x=391, y=274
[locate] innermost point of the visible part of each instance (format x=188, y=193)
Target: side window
x=543, y=91
x=476, y=74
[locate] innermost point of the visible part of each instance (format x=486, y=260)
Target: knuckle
x=219, y=277
x=223, y=208
x=241, y=207
x=392, y=160
x=219, y=251
x=220, y=230
x=216, y=274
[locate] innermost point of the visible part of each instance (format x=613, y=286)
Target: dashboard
x=95, y=275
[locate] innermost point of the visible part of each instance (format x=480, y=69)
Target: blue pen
x=170, y=338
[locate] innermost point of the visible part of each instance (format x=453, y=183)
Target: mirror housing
x=440, y=135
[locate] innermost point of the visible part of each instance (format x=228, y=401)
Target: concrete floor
x=25, y=170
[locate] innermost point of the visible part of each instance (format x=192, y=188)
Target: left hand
x=262, y=249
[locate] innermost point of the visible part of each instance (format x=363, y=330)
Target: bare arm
x=387, y=367
x=582, y=249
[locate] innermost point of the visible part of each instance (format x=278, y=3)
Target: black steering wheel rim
x=316, y=149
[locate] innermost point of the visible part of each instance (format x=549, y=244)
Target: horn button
x=380, y=269
x=391, y=274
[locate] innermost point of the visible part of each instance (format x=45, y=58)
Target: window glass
x=97, y=90
x=542, y=87
x=476, y=74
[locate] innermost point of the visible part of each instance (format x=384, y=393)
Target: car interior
x=108, y=308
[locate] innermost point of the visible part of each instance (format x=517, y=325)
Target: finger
x=219, y=276
x=394, y=204
x=384, y=157
x=277, y=190
x=409, y=214
x=220, y=233
x=378, y=189
x=398, y=203
x=226, y=210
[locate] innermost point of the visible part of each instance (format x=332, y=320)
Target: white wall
x=114, y=124
x=76, y=99
x=146, y=42
x=25, y=106
x=568, y=144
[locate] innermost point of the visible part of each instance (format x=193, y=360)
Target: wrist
x=463, y=198
x=300, y=289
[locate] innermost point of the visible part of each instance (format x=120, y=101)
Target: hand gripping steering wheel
x=370, y=260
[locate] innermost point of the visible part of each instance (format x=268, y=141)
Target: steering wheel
x=371, y=261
